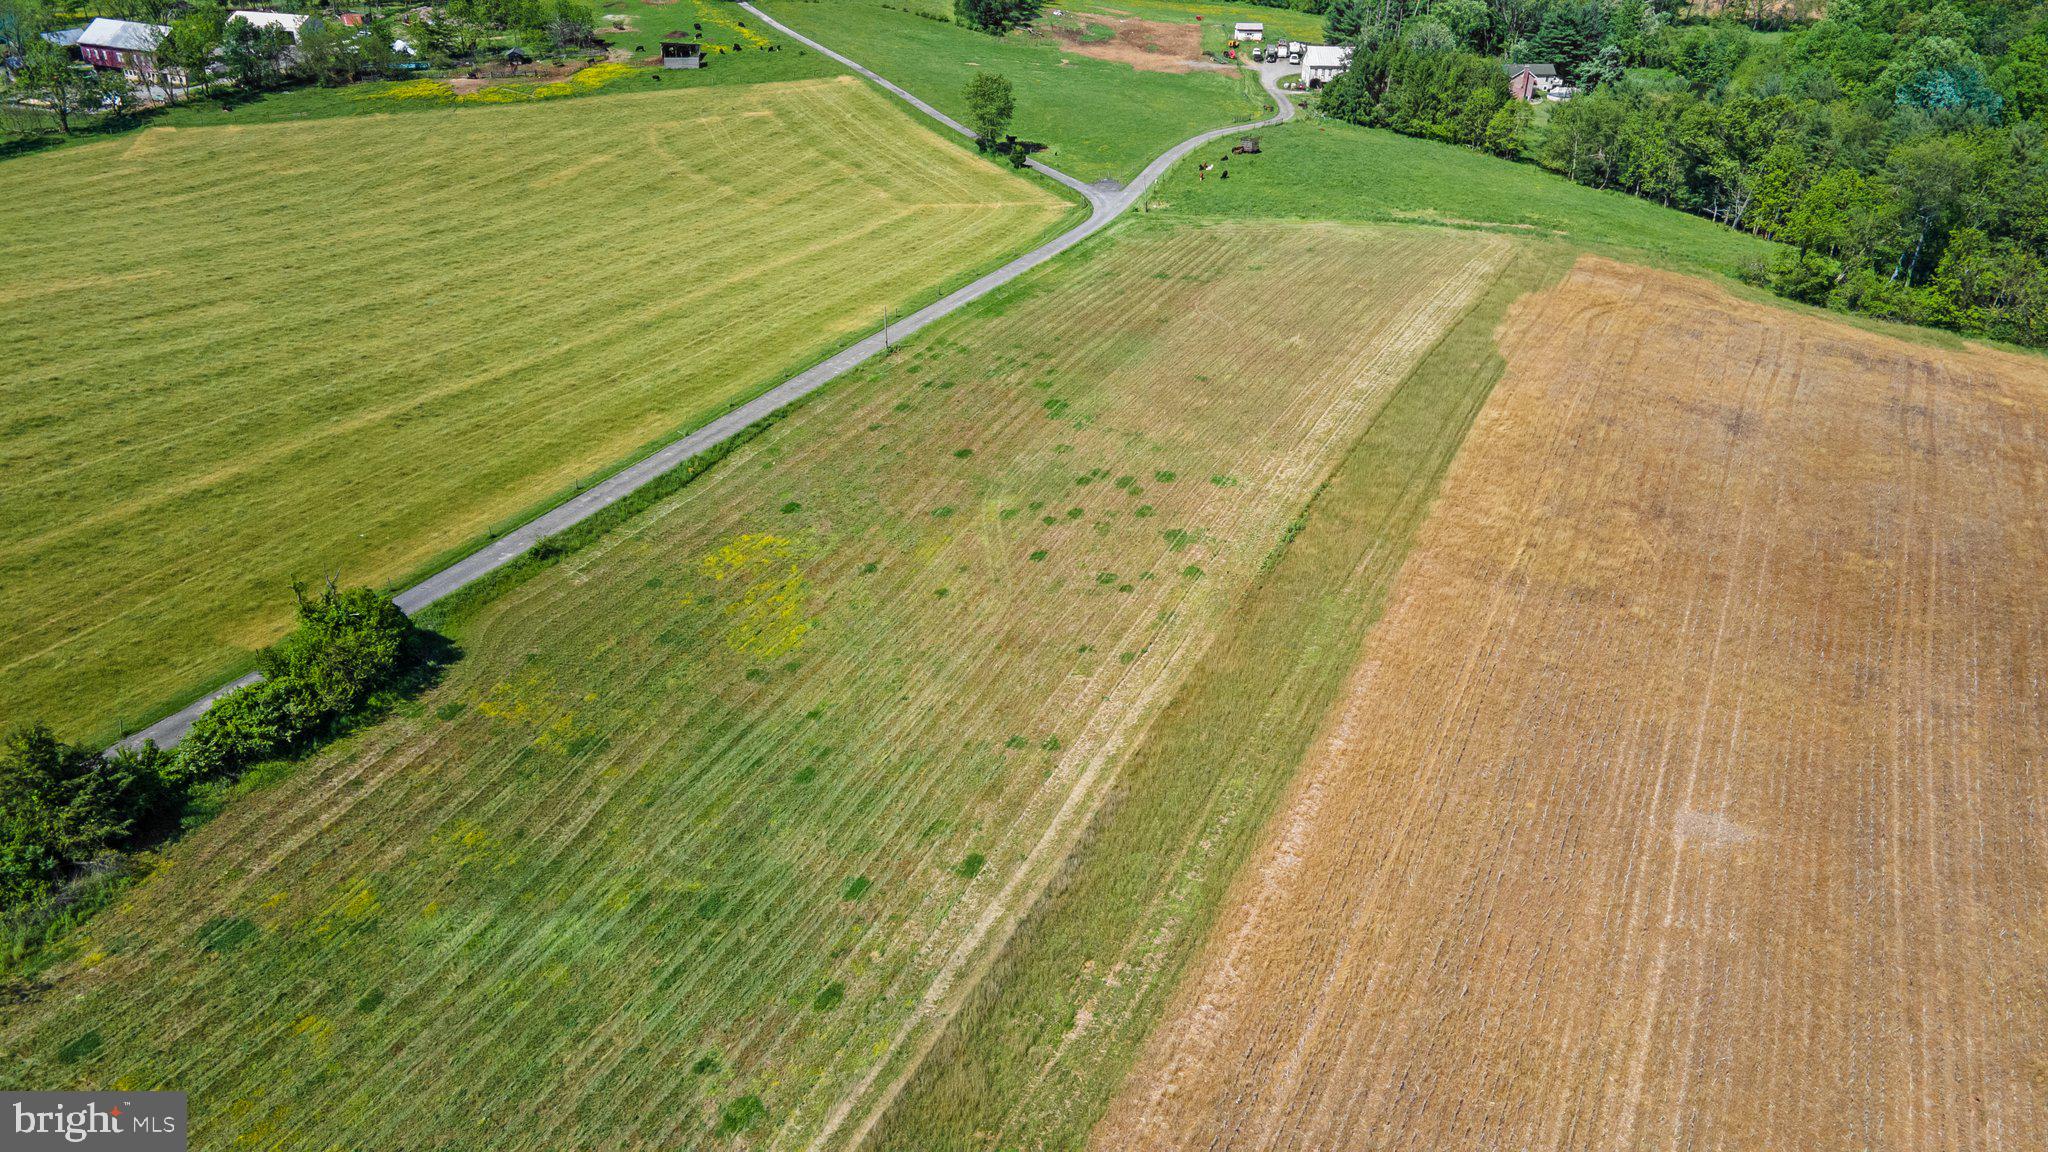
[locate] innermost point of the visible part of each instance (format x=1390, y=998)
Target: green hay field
x=352, y=346
x=718, y=823
x=1101, y=119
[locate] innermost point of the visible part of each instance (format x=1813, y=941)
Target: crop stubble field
x=348, y=346
x=714, y=825
x=1690, y=791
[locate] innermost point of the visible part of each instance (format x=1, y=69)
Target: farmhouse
x=1249, y=32
x=1323, y=62
x=1531, y=82
x=122, y=44
x=288, y=21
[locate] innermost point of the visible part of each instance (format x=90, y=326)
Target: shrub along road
x=1106, y=203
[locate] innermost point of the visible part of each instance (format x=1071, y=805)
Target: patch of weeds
x=1038, y=556
x=1143, y=511
x=1055, y=408
x=1126, y=587
x=1075, y=513
x=1083, y=481
x=1125, y=481
x=970, y=866
x=81, y=1048
x=1052, y=743
x=1016, y=742
x=1008, y=514
x=705, y=1064
x=942, y=593
x=963, y=453
x=1163, y=477
x=589, y=742
x=805, y=774
x=740, y=1114
x=710, y=906
x=652, y=582
x=1105, y=577
x=1126, y=657
x=1035, y=505
x=829, y=996
x=370, y=1001
x=790, y=507
x=903, y=407
x=870, y=568
x=1049, y=521
x=942, y=513
x=224, y=934
x=1177, y=539
x=1062, y=449
x=855, y=888
x=449, y=711
x=1223, y=481
x=757, y=675
x=1192, y=572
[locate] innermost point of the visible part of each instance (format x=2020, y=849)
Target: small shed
x=1249, y=31
x=682, y=54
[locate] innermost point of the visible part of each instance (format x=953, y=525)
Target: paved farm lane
x=1106, y=204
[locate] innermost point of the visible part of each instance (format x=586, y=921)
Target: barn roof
x=1325, y=56
x=64, y=37
x=126, y=35
x=1540, y=71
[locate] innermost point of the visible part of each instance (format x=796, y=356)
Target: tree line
x=203, y=45
x=1898, y=147
x=70, y=814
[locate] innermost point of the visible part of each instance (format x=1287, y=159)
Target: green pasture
x=355, y=346
x=1101, y=119
x=1322, y=169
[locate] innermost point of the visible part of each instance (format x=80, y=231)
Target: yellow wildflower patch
x=440, y=92
x=765, y=612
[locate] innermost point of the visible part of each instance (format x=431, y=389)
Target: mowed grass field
x=347, y=347
x=1689, y=791
x=1101, y=119
x=717, y=824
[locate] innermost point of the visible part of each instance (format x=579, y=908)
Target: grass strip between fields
x=1044, y=1042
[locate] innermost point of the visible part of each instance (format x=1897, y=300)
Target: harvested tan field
x=1691, y=791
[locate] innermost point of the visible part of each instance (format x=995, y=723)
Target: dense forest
x=1899, y=148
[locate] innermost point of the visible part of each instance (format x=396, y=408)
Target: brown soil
x=1689, y=794
x=526, y=74
x=1149, y=45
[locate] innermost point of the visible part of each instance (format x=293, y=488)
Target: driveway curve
x=1105, y=204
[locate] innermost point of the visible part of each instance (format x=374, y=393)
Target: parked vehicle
x=1294, y=50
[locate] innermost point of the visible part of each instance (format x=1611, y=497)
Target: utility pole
x=886, y=349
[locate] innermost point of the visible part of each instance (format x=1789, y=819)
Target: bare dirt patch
x=528, y=74
x=1689, y=792
x=1149, y=45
